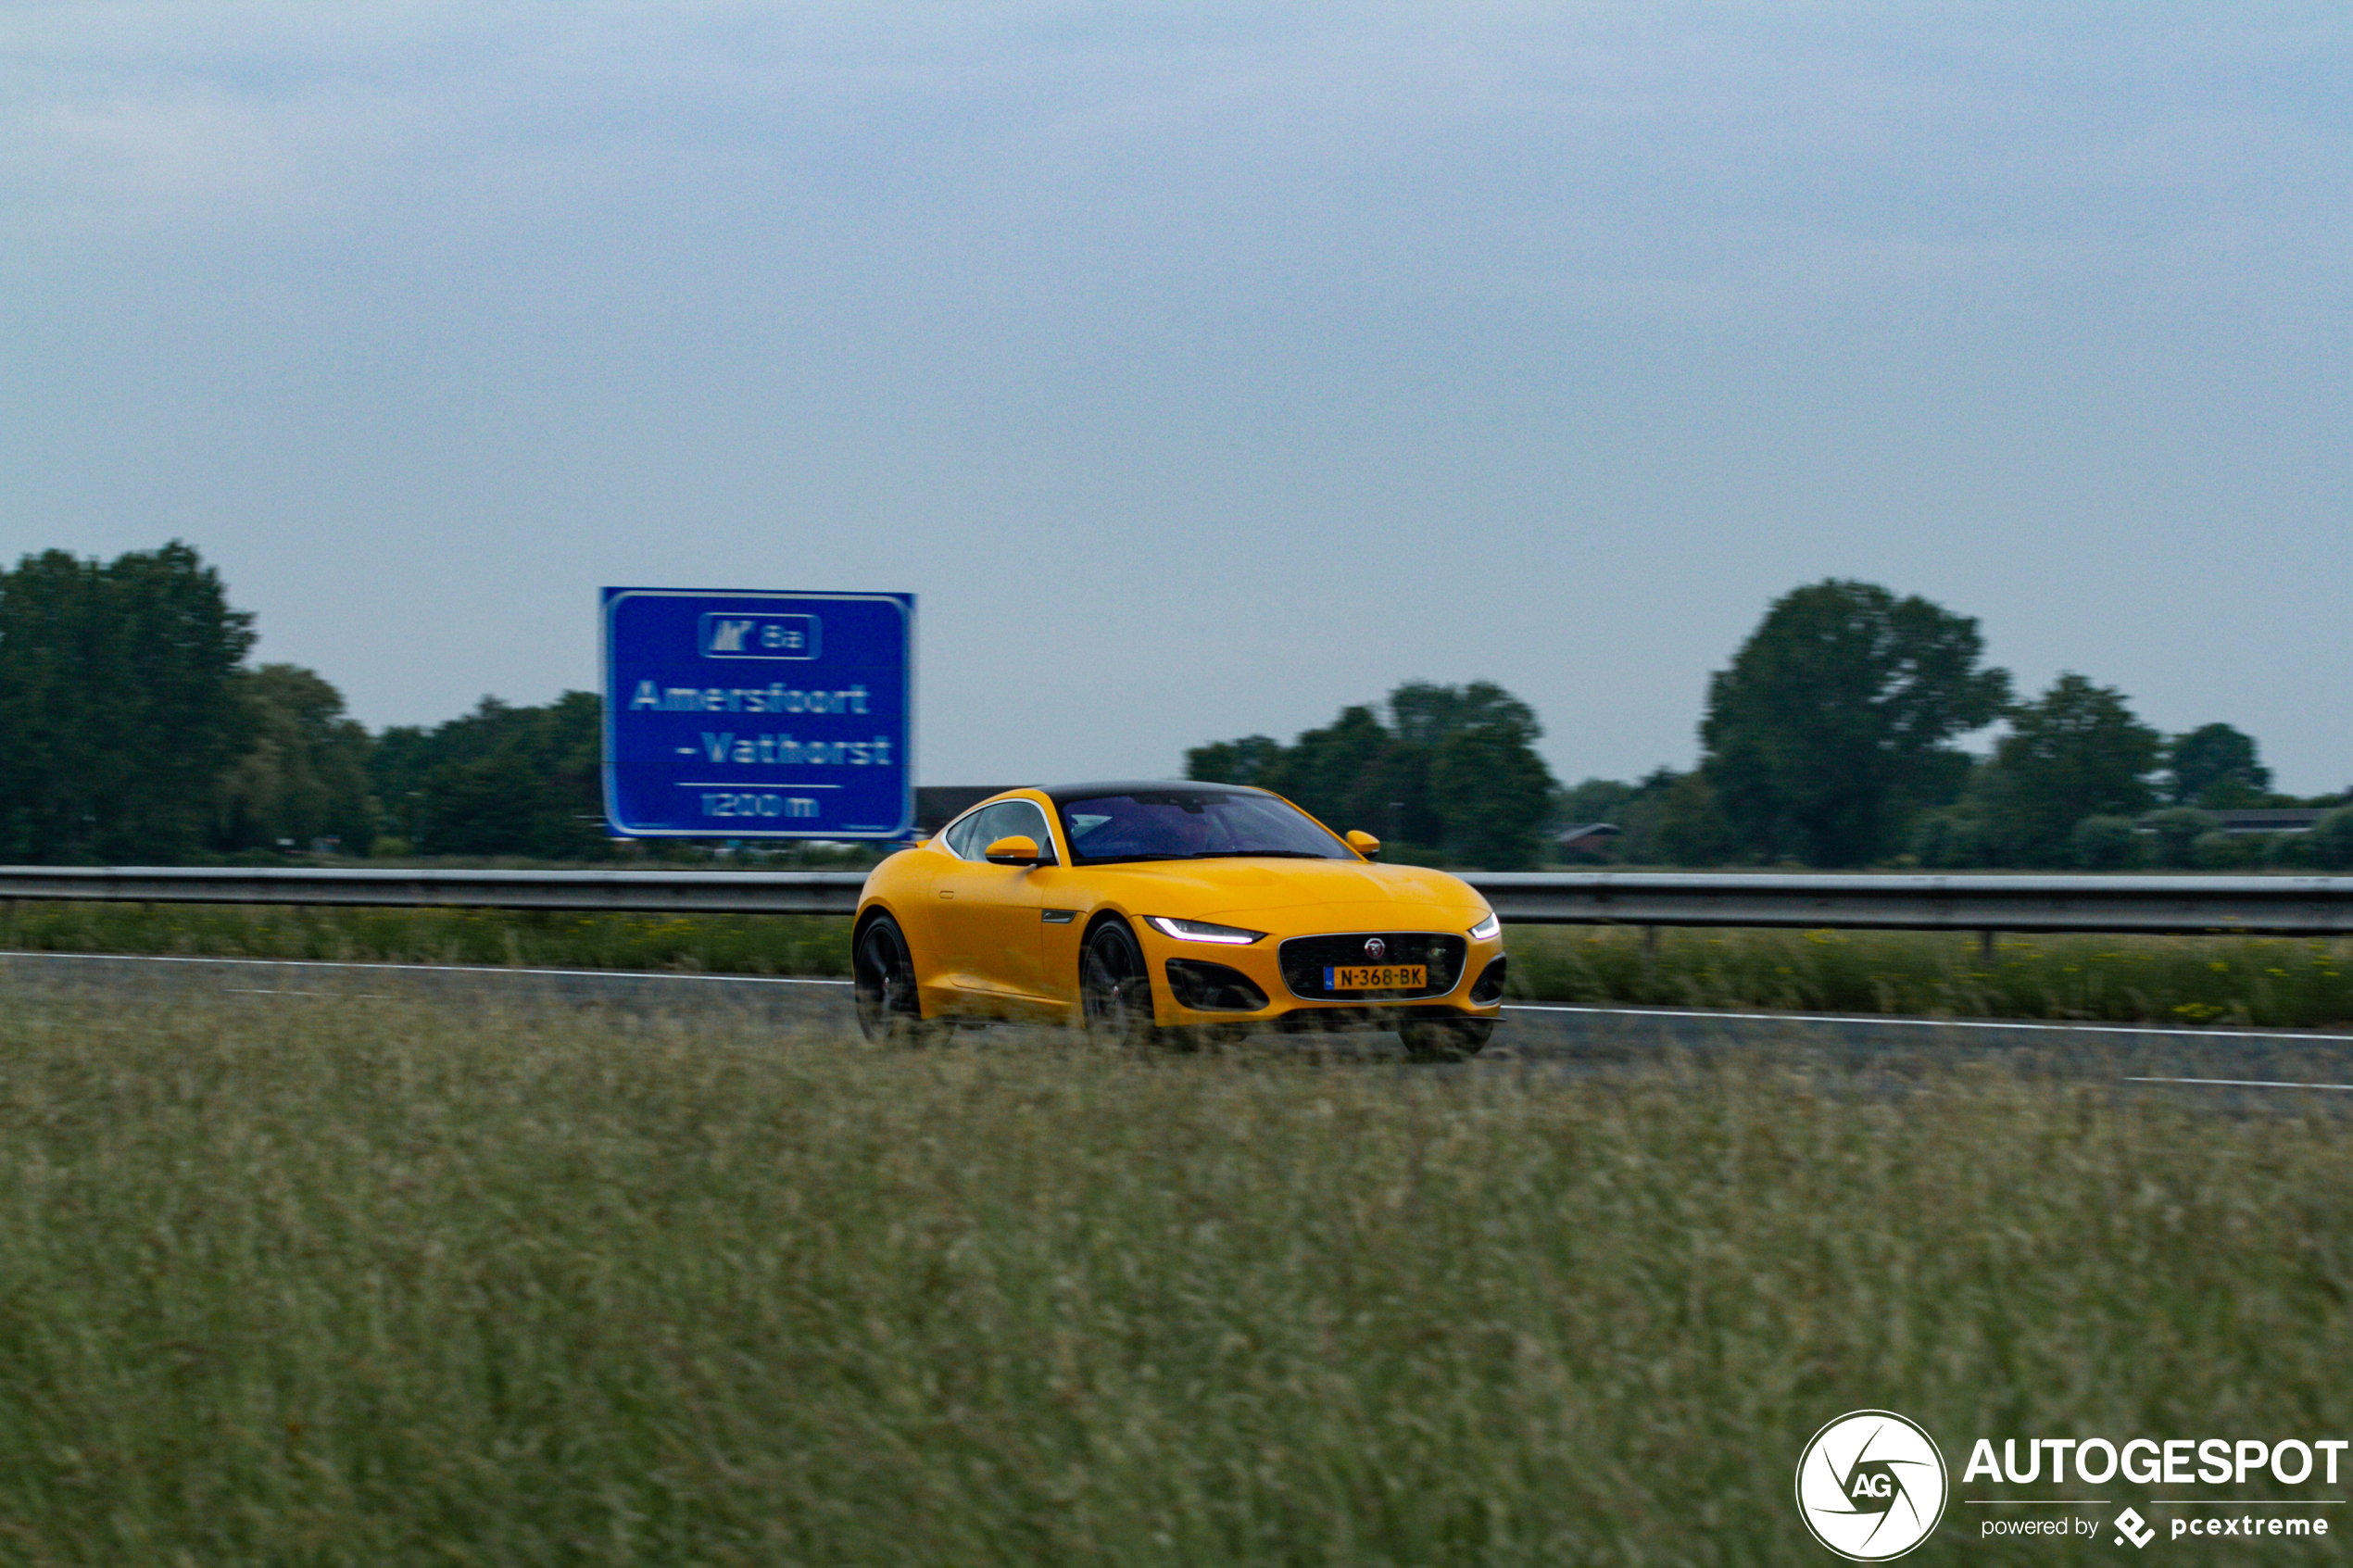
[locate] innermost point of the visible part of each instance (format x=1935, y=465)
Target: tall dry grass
x=366, y=1282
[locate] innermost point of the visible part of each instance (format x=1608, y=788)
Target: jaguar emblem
x=1375, y=948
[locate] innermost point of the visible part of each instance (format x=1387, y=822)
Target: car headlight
x=1202, y=931
x=1487, y=929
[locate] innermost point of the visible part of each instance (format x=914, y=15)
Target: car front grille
x=1304, y=958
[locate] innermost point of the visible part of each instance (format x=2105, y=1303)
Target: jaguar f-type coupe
x=1166, y=911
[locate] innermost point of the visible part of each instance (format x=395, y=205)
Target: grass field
x=719, y=944
x=320, y=1282
x=2165, y=980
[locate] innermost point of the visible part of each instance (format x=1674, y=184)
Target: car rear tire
x=890, y=1010
x=1114, y=989
x=1451, y=1040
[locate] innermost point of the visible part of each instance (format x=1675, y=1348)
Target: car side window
x=1024, y=817
x=961, y=840
x=969, y=839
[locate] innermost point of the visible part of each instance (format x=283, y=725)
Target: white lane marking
x=434, y=968
x=2243, y=1083
x=2186, y=1030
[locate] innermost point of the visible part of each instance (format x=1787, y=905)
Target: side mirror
x=1364, y=843
x=1019, y=850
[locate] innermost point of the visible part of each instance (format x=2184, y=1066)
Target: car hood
x=1343, y=893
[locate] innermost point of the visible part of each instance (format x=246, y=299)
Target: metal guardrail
x=2304, y=906
x=654, y=892
x=2289, y=905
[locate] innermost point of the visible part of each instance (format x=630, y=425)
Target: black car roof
x=1063, y=795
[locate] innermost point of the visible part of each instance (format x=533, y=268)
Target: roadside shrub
x=2227, y=852
x=2105, y=843
x=1950, y=840
x=2178, y=831
x=2329, y=847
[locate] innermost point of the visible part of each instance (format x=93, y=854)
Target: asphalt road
x=2251, y=1067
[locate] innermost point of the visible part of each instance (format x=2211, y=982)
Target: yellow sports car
x=1161, y=911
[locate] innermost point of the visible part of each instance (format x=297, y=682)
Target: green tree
x=1424, y=714
x=1493, y=795
x=502, y=780
x=305, y=774
x=2074, y=752
x=119, y=702
x=1243, y=761
x=1483, y=794
x=1639, y=810
x=1323, y=770
x=1454, y=768
x=1834, y=723
x=1351, y=773
x=1692, y=830
x=2214, y=765
x=1596, y=801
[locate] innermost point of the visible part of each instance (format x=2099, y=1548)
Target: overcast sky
x=1204, y=368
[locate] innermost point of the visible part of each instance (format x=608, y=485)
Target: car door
x=987, y=917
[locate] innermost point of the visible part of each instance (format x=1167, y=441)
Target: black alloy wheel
x=890, y=1012
x=1449, y=1040
x=1114, y=990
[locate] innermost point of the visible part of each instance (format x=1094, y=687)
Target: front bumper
x=1276, y=980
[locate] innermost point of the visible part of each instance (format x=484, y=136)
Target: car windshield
x=1193, y=825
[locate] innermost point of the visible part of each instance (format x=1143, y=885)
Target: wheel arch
x=1111, y=914
x=868, y=912
x=1155, y=986
x=881, y=908
x=1105, y=914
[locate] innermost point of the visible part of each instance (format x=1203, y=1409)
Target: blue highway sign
x=754, y=715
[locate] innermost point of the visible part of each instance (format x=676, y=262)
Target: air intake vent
x=1213, y=987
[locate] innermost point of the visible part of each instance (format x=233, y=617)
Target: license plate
x=1377, y=977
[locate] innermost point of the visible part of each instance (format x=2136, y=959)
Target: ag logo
x=1870, y=1485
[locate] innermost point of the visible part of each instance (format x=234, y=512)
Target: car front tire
x=1114, y=989
x=890, y=1010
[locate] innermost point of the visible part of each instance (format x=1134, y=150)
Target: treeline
x=1833, y=740
x=132, y=730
